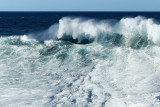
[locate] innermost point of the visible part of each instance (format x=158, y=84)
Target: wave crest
x=132, y=32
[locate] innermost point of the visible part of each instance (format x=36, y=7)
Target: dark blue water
x=19, y=23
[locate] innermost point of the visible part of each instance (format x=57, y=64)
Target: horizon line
x=79, y=11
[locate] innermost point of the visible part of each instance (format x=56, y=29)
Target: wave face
x=83, y=62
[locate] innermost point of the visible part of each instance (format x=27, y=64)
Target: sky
x=79, y=5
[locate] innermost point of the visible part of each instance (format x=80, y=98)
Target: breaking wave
x=132, y=32
x=83, y=62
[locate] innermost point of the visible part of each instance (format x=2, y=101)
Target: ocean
x=79, y=59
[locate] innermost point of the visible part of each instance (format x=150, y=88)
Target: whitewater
x=83, y=62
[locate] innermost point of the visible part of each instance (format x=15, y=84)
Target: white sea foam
x=130, y=28
x=78, y=26
x=58, y=73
